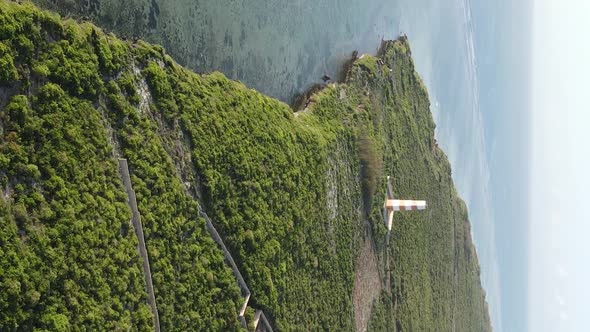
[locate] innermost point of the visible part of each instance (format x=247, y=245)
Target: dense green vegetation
x=69, y=257
x=288, y=192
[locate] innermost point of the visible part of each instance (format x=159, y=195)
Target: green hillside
x=290, y=193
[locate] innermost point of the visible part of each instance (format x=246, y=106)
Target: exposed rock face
x=367, y=284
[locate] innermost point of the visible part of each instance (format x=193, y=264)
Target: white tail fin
x=405, y=205
x=391, y=205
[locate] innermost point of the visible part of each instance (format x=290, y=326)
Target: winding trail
x=137, y=226
x=367, y=283
x=229, y=259
x=259, y=314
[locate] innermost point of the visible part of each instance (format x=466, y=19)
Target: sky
x=502, y=39
x=475, y=59
x=444, y=45
x=559, y=269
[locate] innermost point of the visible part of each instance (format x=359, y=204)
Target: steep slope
x=290, y=193
x=72, y=258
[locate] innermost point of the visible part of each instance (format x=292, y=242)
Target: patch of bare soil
x=367, y=285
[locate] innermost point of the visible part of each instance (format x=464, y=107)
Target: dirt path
x=367, y=285
x=138, y=227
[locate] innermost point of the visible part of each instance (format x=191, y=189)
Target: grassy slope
x=76, y=257
x=285, y=191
